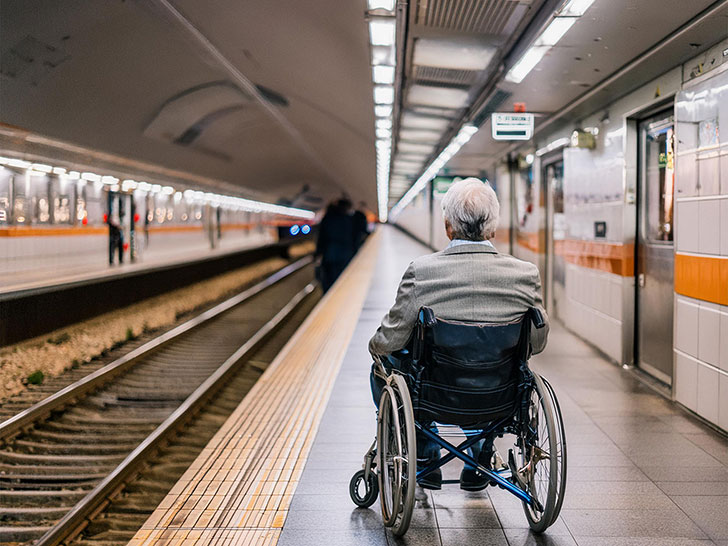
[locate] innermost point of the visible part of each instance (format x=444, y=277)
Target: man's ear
x=448, y=230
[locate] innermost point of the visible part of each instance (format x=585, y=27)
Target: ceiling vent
x=431, y=75
x=494, y=17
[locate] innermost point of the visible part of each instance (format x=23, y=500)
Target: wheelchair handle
x=536, y=317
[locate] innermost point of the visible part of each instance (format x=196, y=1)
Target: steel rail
x=79, y=516
x=41, y=410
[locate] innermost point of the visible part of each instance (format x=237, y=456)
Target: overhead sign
x=511, y=126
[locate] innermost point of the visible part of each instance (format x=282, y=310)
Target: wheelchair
x=474, y=376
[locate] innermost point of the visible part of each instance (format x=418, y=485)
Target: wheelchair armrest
x=536, y=317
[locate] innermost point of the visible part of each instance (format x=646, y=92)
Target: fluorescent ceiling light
x=381, y=4
x=444, y=97
x=382, y=110
x=383, y=55
x=383, y=74
x=420, y=135
x=384, y=123
x=383, y=94
x=19, y=163
x=576, y=8
x=460, y=54
x=384, y=133
x=414, y=121
x=40, y=167
x=381, y=32
x=526, y=63
x=555, y=31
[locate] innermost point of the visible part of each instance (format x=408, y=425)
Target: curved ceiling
x=125, y=77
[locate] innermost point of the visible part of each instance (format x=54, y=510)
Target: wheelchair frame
x=397, y=510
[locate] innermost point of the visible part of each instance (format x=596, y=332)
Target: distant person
x=361, y=226
x=116, y=239
x=335, y=243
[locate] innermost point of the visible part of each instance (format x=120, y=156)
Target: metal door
x=654, y=254
x=552, y=181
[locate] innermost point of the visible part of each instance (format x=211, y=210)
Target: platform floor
x=640, y=470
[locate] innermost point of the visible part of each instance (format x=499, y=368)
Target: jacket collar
x=470, y=249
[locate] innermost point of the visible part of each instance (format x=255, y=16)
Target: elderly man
x=468, y=281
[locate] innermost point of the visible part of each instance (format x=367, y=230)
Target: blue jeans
x=427, y=450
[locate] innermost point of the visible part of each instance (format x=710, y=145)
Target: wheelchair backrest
x=468, y=373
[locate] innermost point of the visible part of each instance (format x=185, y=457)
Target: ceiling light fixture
x=382, y=110
x=383, y=74
x=381, y=32
x=383, y=94
x=464, y=135
x=576, y=8
x=381, y=4
x=557, y=28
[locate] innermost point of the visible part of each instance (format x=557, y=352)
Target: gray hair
x=471, y=208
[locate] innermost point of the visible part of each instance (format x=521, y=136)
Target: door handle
x=641, y=280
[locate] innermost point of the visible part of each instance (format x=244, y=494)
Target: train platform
x=23, y=274
x=641, y=471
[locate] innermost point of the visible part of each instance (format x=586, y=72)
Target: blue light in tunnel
x=294, y=229
x=305, y=229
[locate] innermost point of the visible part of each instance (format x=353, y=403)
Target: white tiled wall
x=593, y=308
x=701, y=358
x=701, y=224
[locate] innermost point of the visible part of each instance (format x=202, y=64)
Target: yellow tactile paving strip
x=238, y=490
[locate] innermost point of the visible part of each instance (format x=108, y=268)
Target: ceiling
x=126, y=78
x=607, y=37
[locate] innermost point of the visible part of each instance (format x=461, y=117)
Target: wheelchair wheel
x=367, y=497
x=397, y=452
x=542, y=464
x=561, y=444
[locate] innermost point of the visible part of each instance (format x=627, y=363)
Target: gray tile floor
x=640, y=471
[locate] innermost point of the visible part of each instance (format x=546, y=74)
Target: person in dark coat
x=335, y=243
x=361, y=230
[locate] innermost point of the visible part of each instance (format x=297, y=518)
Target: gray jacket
x=470, y=282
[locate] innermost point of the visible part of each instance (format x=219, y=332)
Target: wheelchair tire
x=371, y=489
x=561, y=440
x=546, y=461
x=397, y=452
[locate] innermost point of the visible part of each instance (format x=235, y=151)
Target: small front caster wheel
x=362, y=491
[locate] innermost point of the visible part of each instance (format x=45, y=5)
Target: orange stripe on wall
x=613, y=258
x=702, y=277
x=40, y=231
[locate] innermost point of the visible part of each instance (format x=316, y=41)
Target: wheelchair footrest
x=450, y=481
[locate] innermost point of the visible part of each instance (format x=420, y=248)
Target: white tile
x=708, y=174
x=686, y=381
x=724, y=222
x=724, y=173
x=686, y=176
x=723, y=402
x=708, y=391
x=709, y=333
x=686, y=226
x=686, y=329
x=709, y=227
x=723, y=362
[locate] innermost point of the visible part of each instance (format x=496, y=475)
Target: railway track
x=91, y=453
